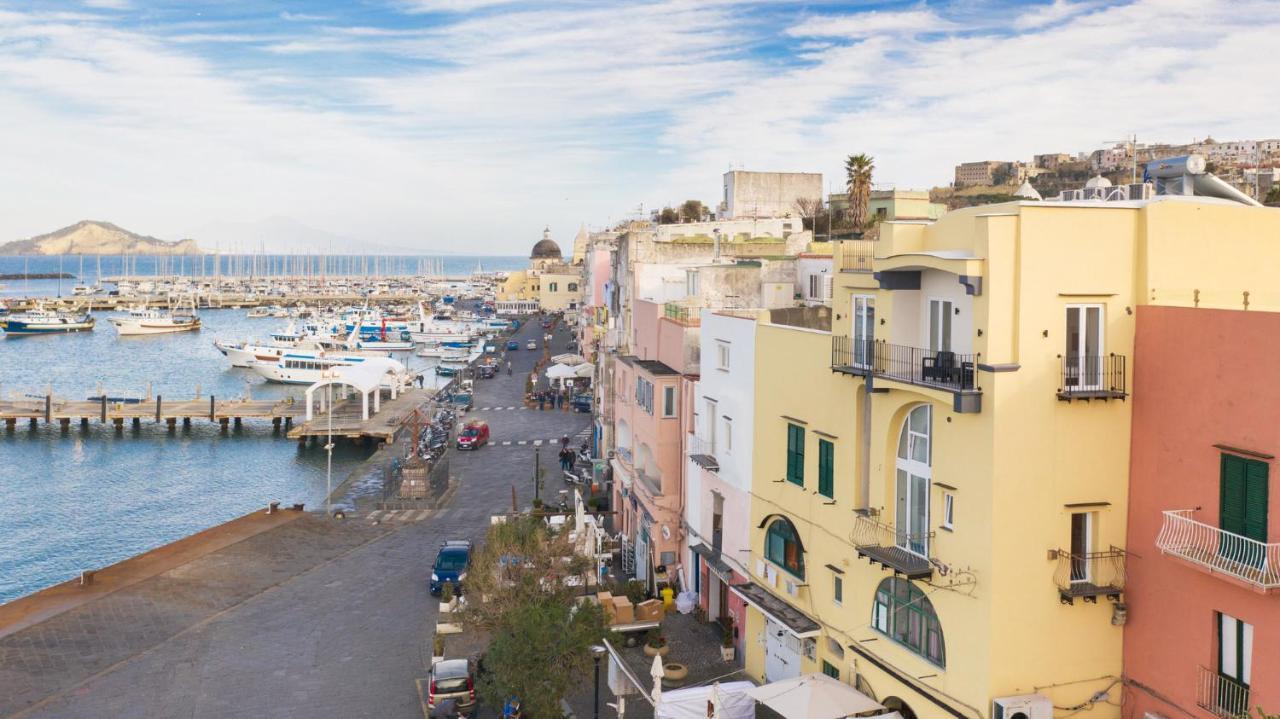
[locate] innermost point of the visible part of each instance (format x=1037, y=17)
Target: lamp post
x=597, y=653
x=537, y=473
x=328, y=447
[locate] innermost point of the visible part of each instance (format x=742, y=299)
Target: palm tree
x=858, y=169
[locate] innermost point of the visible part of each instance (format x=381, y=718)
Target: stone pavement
x=317, y=618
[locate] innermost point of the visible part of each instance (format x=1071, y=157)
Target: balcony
x=702, y=454
x=682, y=314
x=854, y=255
x=945, y=370
x=1216, y=551
x=624, y=454
x=884, y=544
x=1089, y=576
x=1221, y=695
x=1086, y=378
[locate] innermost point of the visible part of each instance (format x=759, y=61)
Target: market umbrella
x=813, y=696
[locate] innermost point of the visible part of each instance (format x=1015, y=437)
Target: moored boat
x=39, y=321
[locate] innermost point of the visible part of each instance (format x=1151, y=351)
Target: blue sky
x=467, y=125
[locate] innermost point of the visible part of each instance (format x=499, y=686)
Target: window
x=668, y=401
x=1235, y=663
x=1083, y=368
x=882, y=213
x=830, y=670
x=728, y=434
x=903, y=613
x=913, y=477
x=692, y=285
x=837, y=589
x=722, y=355
x=1243, y=508
x=948, y=510
x=940, y=325
x=815, y=286
x=711, y=425
x=864, y=333
x=573, y=286
x=553, y=286
x=826, y=468
x=1081, y=545
x=795, y=454
x=782, y=547
x=644, y=394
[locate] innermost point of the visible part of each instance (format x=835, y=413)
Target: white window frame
x=864, y=312
x=907, y=493
x=837, y=598
x=723, y=355
x=727, y=422
x=941, y=336
x=692, y=283
x=1084, y=377
x=948, y=510
x=668, y=401
x=711, y=425
x=1235, y=649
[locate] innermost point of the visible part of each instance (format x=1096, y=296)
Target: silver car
x=452, y=679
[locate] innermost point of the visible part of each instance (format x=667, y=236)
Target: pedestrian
x=564, y=442
x=542, y=401
x=566, y=460
x=508, y=368
x=559, y=400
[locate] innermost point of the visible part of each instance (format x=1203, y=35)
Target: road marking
x=486, y=409
x=537, y=443
x=515, y=408
x=507, y=443
x=522, y=442
x=376, y=514
x=422, y=515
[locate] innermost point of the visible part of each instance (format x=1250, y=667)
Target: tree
x=1273, y=196
x=541, y=635
x=692, y=211
x=811, y=210
x=858, y=169
x=668, y=216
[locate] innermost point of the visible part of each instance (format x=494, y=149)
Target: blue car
x=452, y=562
x=513, y=345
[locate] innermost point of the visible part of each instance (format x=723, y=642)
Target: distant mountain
x=91, y=237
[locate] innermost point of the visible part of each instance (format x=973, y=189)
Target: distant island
x=91, y=237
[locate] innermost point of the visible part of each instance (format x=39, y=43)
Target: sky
x=466, y=126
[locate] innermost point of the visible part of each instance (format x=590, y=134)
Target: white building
x=767, y=194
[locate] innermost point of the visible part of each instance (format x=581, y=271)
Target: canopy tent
x=585, y=370
x=367, y=378
x=560, y=371
x=814, y=696
x=691, y=703
x=569, y=359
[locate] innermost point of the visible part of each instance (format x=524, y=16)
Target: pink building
x=1202, y=636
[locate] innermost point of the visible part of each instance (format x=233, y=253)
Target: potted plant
x=726, y=641
x=437, y=649
x=655, y=644
x=447, y=600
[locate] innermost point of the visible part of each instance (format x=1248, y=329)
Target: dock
x=346, y=421
x=225, y=412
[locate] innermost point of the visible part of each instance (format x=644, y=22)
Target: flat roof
x=653, y=367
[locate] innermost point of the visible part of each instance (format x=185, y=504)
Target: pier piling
x=137, y=423
x=84, y=424
x=48, y=408
x=224, y=422
x=64, y=424
x=35, y=423
x=119, y=423
x=104, y=407
x=10, y=424
x=158, y=400
x=186, y=424
x=173, y=424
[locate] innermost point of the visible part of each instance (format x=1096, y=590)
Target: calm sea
x=85, y=500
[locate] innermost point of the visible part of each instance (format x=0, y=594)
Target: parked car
x=452, y=562
x=461, y=401
x=452, y=679
x=531, y=345
x=474, y=435
x=490, y=348
x=512, y=346
x=486, y=371
x=582, y=403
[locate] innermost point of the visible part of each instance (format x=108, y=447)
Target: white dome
x=1098, y=181
x=1028, y=192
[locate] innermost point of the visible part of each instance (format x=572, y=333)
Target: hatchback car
x=513, y=345
x=531, y=345
x=452, y=679
x=452, y=562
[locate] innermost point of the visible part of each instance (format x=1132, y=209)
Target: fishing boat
x=39, y=321
x=150, y=321
x=309, y=367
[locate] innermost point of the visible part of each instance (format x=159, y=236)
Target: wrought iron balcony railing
x=854, y=255
x=941, y=369
x=1089, y=576
x=904, y=552
x=1093, y=377
x=1221, y=695
x=1221, y=552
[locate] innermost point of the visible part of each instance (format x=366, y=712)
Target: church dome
x=1098, y=181
x=546, y=249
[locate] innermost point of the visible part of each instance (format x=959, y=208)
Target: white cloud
x=108, y=4
x=873, y=24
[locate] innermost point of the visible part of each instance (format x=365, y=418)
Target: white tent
x=691, y=703
x=814, y=696
x=585, y=370
x=569, y=359
x=366, y=378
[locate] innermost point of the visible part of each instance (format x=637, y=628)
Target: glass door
x=864, y=333
x=1082, y=369
x=940, y=312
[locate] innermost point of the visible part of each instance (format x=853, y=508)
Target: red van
x=474, y=435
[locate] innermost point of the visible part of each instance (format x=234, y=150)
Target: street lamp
x=597, y=653
x=328, y=447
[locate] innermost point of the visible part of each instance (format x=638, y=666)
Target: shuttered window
x=826, y=468
x=1243, y=506
x=795, y=454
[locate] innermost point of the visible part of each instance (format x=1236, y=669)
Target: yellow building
x=549, y=284
x=939, y=494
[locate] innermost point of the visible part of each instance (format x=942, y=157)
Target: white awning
x=568, y=358
x=561, y=371
x=813, y=696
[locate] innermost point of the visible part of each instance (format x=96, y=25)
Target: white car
x=531, y=345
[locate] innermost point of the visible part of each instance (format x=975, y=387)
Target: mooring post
x=137, y=423
x=48, y=408
x=104, y=407
x=158, y=400
x=64, y=423
x=211, y=408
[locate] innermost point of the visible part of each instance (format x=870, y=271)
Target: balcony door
x=1242, y=510
x=912, y=483
x=1083, y=367
x=1235, y=662
x=940, y=312
x=864, y=329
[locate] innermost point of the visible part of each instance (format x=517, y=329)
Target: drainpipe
x=865, y=469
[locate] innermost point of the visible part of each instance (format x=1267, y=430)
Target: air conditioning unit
x=1026, y=706
x=1141, y=191
x=1092, y=193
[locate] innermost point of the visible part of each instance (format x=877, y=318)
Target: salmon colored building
x=1203, y=632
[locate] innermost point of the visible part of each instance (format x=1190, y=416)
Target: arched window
x=915, y=457
x=782, y=547
x=901, y=611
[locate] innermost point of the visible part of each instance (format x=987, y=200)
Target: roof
x=706, y=461
x=713, y=559
x=545, y=249
x=653, y=367
x=779, y=611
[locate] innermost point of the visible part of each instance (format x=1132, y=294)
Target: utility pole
x=537, y=473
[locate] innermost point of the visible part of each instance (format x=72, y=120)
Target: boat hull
x=17, y=327
x=128, y=327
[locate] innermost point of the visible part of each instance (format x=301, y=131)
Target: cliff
x=90, y=237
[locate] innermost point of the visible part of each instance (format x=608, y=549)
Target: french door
x=864, y=332
x=940, y=312
x=1083, y=367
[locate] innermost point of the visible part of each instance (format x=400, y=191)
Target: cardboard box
x=604, y=598
x=623, y=612
x=649, y=611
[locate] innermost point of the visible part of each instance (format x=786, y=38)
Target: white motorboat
x=309, y=367
x=152, y=321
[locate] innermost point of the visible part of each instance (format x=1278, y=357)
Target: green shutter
x=830, y=670
x=1255, y=501
x=826, y=468
x=1232, y=495
x=795, y=454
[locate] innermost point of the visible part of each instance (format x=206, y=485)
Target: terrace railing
x=1221, y=552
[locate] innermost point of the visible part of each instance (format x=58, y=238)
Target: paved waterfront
x=317, y=618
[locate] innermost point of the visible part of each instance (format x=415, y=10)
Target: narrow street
x=346, y=637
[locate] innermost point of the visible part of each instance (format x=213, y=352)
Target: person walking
x=542, y=401
x=508, y=368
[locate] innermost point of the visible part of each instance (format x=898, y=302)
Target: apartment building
x=767, y=194
x=892, y=204
x=940, y=489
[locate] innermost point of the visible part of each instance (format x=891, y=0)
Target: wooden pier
x=346, y=422
x=225, y=412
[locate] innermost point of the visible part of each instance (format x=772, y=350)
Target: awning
x=569, y=359
x=813, y=696
x=706, y=461
x=560, y=371
x=585, y=369
x=714, y=561
x=774, y=608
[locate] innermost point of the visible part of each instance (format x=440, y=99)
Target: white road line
x=486, y=409
x=422, y=515
x=507, y=443
x=511, y=408
x=376, y=514
x=522, y=442
x=537, y=443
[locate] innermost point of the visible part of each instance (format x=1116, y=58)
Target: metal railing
x=1220, y=551
x=688, y=316
x=1090, y=575
x=624, y=454
x=1092, y=376
x=916, y=365
x=1221, y=695
x=854, y=255
x=871, y=532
